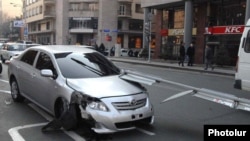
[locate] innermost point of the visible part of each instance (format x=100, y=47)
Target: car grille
x=130, y=124
x=130, y=105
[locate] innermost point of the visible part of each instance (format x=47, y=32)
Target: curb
x=165, y=65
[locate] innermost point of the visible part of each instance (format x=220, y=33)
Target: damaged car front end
x=117, y=111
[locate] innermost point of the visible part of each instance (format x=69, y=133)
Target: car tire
x=15, y=93
x=2, y=59
x=130, y=53
x=1, y=67
x=61, y=107
x=66, y=115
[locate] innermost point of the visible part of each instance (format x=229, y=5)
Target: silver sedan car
x=62, y=77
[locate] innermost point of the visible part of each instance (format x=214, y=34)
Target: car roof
x=64, y=48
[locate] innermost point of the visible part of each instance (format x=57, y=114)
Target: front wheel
x=15, y=93
x=66, y=113
x=1, y=67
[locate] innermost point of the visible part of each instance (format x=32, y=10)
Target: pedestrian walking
x=182, y=54
x=208, y=58
x=190, y=54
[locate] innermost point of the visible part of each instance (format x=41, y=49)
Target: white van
x=242, y=75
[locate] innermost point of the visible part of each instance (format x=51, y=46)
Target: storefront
x=225, y=38
x=224, y=17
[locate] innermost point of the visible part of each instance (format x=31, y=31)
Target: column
x=188, y=22
x=146, y=19
x=247, y=11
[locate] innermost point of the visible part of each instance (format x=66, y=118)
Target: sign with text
x=234, y=29
x=18, y=23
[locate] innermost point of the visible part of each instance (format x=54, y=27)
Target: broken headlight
x=98, y=105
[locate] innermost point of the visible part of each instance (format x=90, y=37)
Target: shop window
x=135, y=42
x=179, y=19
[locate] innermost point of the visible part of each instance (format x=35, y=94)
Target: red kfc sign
x=234, y=29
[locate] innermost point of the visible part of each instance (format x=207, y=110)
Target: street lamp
x=24, y=27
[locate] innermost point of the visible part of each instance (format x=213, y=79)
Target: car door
x=44, y=88
x=24, y=69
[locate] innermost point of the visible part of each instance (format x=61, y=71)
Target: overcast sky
x=10, y=9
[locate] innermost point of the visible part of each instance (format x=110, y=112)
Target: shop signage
x=164, y=32
x=173, y=32
x=180, y=32
x=237, y=29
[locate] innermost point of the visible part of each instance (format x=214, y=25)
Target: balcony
x=87, y=1
x=125, y=14
x=130, y=1
x=49, y=14
x=83, y=13
x=82, y=30
x=49, y=2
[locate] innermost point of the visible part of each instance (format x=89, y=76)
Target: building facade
x=218, y=23
x=85, y=22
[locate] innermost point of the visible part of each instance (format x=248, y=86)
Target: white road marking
x=146, y=132
x=18, y=137
x=15, y=134
x=73, y=135
x=5, y=81
x=4, y=91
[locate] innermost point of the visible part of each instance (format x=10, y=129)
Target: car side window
x=247, y=43
x=45, y=62
x=29, y=57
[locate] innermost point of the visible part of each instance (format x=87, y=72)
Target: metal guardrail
x=225, y=99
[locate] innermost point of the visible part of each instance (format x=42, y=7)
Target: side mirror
x=47, y=73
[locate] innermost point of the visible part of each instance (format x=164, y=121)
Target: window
x=44, y=62
x=48, y=25
x=29, y=57
x=179, y=19
x=135, y=24
x=246, y=45
x=122, y=10
x=138, y=9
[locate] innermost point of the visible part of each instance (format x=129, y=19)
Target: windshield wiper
x=88, y=67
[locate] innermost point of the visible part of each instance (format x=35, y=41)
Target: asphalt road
x=177, y=120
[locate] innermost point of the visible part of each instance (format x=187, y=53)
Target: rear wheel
x=1, y=67
x=2, y=59
x=15, y=93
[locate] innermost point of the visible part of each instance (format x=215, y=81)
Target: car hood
x=104, y=86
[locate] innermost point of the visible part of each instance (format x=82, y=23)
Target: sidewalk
x=226, y=70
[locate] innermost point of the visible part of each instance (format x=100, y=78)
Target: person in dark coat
x=102, y=47
x=190, y=54
x=182, y=54
x=208, y=58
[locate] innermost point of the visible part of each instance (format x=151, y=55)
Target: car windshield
x=15, y=48
x=88, y=65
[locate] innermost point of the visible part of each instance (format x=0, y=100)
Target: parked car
x=11, y=49
x=144, y=53
x=124, y=52
x=56, y=77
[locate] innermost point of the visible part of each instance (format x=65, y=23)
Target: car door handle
x=33, y=75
